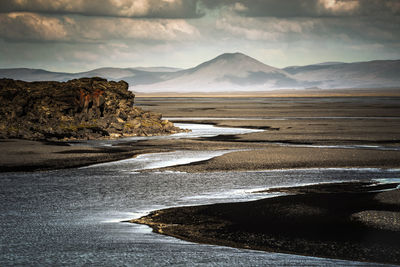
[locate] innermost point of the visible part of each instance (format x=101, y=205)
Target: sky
x=80, y=35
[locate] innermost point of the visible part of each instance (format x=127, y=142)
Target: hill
x=234, y=72
x=227, y=72
x=371, y=74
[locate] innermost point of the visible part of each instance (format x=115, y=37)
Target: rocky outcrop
x=86, y=108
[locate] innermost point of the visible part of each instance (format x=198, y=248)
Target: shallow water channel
x=73, y=217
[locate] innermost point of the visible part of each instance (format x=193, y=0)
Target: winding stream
x=196, y=130
x=73, y=217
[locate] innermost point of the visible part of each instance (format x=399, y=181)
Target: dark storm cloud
x=198, y=8
x=348, y=21
x=308, y=8
x=112, y=8
x=290, y=30
x=22, y=26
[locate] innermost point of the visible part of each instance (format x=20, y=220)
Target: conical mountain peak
x=238, y=63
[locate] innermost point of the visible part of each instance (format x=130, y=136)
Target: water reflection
x=71, y=217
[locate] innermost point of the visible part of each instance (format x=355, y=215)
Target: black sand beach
x=346, y=221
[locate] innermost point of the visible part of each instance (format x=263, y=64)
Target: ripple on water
x=71, y=217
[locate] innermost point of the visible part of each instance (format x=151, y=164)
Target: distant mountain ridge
x=227, y=72
x=370, y=74
x=235, y=72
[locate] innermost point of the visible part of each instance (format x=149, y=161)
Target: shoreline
x=343, y=221
x=29, y=156
x=258, y=153
x=263, y=152
x=25, y=155
x=275, y=157
x=358, y=92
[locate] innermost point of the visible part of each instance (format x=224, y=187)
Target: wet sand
x=337, y=121
x=24, y=155
x=286, y=121
x=274, y=157
x=345, y=221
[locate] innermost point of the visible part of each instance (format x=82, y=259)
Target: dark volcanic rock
x=86, y=108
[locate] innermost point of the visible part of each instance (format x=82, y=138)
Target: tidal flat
x=298, y=133
x=295, y=141
x=336, y=132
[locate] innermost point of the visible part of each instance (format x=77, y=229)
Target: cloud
x=394, y=6
x=85, y=56
x=339, y=6
x=349, y=29
x=306, y=8
x=263, y=29
x=198, y=8
x=239, y=7
x=21, y=26
x=98, y=29
x=28, y=26
x=113, y=8
x=82, y=34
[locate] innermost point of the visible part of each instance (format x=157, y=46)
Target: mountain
x=31, y=75
x=158, y=69
x=227, y=72
x=133, y=76
x=329, y=63
x=371, y=74
x=234, y=72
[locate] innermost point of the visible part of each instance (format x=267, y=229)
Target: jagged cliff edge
x=86, y=108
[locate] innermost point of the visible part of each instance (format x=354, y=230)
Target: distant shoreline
x=395, y=92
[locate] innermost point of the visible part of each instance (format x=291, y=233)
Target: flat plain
x=300, y=132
